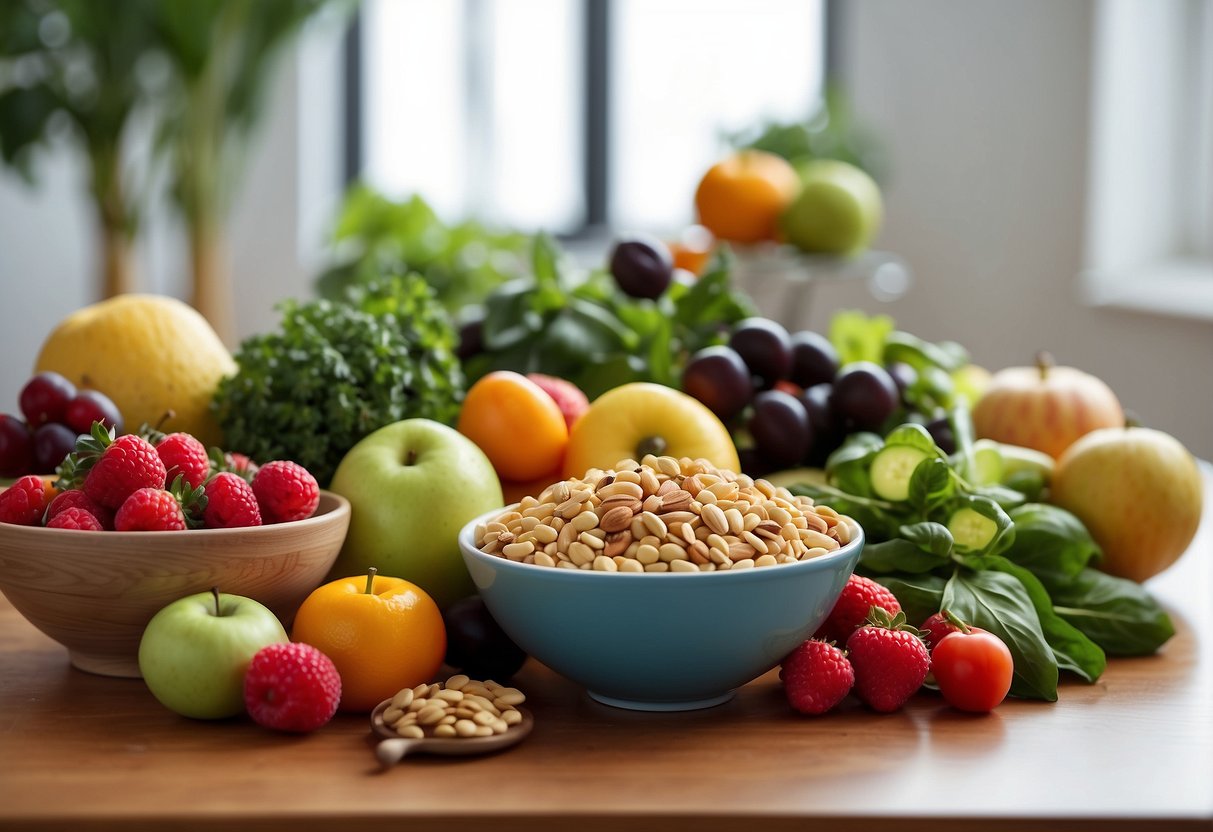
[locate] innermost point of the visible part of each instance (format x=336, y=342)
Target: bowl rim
x=340, y=508
x=810, y=565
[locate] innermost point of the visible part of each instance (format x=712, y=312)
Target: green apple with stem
x=195, y=651
x=838, y=209
x=412, y=486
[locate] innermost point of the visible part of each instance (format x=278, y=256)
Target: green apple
x=412, y=486
x=838, y=210
x=195, y=651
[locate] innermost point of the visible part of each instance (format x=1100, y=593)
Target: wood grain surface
x=1134, y=751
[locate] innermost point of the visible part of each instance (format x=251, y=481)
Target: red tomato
x=973, y=669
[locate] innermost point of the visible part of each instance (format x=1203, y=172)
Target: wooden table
x=1134, y=751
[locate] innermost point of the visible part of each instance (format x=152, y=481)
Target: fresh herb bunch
x=981, y=550
x=583, y=328
x=335, y=372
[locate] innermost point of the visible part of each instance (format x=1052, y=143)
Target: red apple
x=1138, y=491
x=1046, y=408
x=568, y=397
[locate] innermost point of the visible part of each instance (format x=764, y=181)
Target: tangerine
x=742, y=197
x=383, y=634
x=518, y=426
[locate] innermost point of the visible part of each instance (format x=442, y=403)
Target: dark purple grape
x=941, y=431
x=765, y=348
x=471, y=338
x=814, y=359
x=865, y=395
x=824, y=426
x=52, y=442
x=476, y=644
x=903, y=375
x=90, y=406
x=16, y=447
x=44, y=398
x=642, y=266
x=719, y=378
x=780, y=428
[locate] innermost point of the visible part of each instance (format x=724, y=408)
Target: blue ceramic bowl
x=659, y=641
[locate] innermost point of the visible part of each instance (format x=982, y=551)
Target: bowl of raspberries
x=132, y=522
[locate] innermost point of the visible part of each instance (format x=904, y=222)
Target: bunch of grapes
x=56, y=413
x=792, y=397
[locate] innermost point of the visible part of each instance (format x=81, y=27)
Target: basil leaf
x=1008, y=498
x=920, y=596
x=898, y=555
x=1072, y=650
x=930, y=484
x=914, y=436
x=998, y=602
x=847, y=467
x=509, y=319
x=857, y=337
x=1051, y=542
x=544, y=262
x=930, y=537
x=1116, y=613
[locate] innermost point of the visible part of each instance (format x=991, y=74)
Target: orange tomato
x=742, y=197
x=383, y=634
x=693, y=249
x=518, y=426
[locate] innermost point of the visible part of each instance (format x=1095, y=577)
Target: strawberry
x=285, y=491
x=183, y=454
x=24, y=502
x=150, y=510
x=111, y=468
x=890, y=660
x=230, y=503
x=851, y=609
x=816, y=676
x=75, y=498
x=74, y=518
x=291, y=687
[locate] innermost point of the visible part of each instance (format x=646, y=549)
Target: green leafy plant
x=1016, y=568
x=376, y=235
x=582, y=328
x=335, y=372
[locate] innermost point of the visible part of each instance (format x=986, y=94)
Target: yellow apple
x=641, y=418
x=1045, y=408
x=1138, y=492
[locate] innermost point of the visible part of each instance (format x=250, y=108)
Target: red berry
x=816, y=676
x=74, y=518
x=935, y=628
x=150, y=510
x=291, y=687
x=230, y=503
x=128, y=464
x=851, y=609
x=890, y=661
x=185, y=456
x=24, y=502
x=240, y=464
x=285, y=491
x=75, y=498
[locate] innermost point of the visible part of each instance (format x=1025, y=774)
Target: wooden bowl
x=94, y=592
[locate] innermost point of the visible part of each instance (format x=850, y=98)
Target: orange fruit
x=692, y=251
x=742, y=197
x=383, y=634
x=518, y=426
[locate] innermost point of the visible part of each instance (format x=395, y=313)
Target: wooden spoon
x=393, y=747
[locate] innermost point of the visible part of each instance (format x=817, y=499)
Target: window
x=559, y=114
x=1150, y=230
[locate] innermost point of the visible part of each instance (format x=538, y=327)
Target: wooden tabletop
x=1134, y=751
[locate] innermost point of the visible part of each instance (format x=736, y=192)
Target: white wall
x=986, y=106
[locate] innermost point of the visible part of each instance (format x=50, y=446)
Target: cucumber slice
x=996, y=461
x=970, y=530
x=891, y=470
x=987, y=462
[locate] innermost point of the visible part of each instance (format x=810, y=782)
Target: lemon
x=150, y=354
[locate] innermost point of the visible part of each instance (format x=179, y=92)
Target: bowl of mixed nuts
x=662, y=584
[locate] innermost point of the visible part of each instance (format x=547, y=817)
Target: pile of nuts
x=461, y=707
x=664, y=515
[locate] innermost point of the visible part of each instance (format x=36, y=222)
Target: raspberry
x=851, y=609
x=126, y=465
x=184, y=455
x=150, y=510
x=890, y=661
x=240, y=464
x=75, y=518
x=24, y=502
x=816, y=676
x=285, y=491
x=230, y=503
x=75, y=498
x=291, y=687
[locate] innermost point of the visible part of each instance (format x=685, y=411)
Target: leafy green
x=335, y=372
x=1051, y=542
x=857, y=337
x=1115, y=613
x=920, y=596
